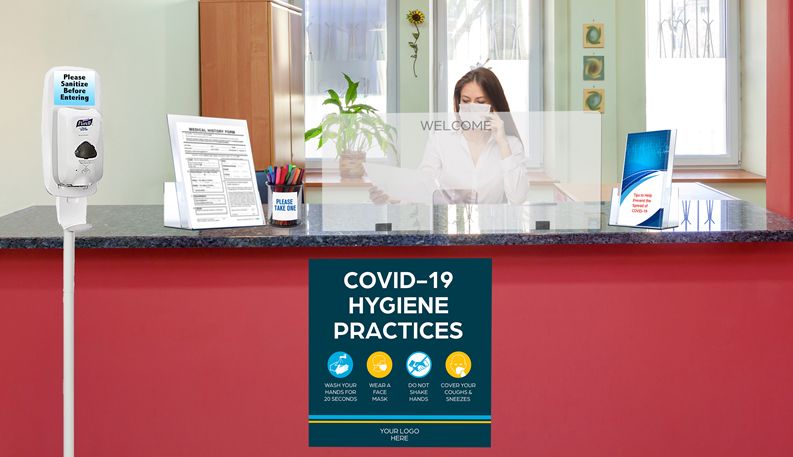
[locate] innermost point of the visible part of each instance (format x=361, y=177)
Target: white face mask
x=383, y=366
x=474, y=112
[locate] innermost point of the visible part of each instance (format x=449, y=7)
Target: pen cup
x=285, y=205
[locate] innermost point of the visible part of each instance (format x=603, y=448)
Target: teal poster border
x=400, y=352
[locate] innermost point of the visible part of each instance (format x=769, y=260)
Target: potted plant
x=354, y=129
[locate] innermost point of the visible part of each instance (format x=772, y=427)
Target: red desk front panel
x=597, y=350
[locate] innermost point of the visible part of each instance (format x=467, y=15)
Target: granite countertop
x=707, y=221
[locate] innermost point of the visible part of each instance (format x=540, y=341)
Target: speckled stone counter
x=354, y=225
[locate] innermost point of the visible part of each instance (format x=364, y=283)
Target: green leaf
x=313, y=133
x=329, y=136
x=334, y=95
x=416, y=35
x=331, y=101
x=352, y=94
x=364, y=107
x=352, y=90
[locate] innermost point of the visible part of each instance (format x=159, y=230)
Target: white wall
x=754, y=29
x=147, y=54
x=414, y=93
x=624, y=83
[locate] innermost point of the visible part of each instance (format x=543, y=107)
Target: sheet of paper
x=402, y=184
x=215, y=176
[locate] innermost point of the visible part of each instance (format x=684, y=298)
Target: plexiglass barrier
x=468, y=172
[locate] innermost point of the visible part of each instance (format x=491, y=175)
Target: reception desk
x=606, y=341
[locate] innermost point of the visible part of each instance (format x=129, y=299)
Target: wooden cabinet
x=252, y=68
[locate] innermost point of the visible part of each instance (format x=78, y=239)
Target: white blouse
x=495, y=180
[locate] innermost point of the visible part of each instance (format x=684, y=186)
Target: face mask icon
x=379, y=364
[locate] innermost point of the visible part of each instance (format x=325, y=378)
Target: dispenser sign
x=399, y=352
x=74, y=88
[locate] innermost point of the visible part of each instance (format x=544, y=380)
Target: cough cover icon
x=458, y=364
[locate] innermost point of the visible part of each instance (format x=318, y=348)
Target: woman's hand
x=500, y=135
x=497, y=129
x=379, y=197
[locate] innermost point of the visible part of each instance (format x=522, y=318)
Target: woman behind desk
x=491, y=161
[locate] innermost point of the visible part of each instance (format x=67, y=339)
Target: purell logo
x=85, y=122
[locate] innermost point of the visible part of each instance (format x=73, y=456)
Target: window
x=353, y=37
x=503, y=35
x=359, y=37
x=693, y=71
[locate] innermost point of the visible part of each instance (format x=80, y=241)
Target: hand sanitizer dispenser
x=71, y=141
x=78, y=150
x=72, y=157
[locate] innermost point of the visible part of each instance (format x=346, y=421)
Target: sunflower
x=416, y=17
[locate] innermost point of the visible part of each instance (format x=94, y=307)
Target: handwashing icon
x=340, y=369
x=340, y=364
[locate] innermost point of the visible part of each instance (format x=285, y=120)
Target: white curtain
x=346, y=36
x=488, y=29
